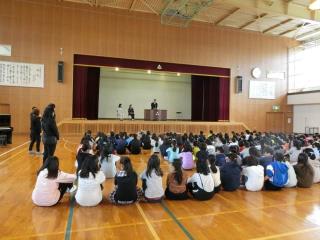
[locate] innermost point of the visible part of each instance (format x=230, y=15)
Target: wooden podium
x=155, y=115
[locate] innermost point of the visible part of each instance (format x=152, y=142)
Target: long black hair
x=202, y=167
x=106, y=151
x=174, y=145
x=177, y=164
x=212, y=161
x=154, y=164
x=127, y=166
x=52, y=165
x=89, y=165
x=303, y=159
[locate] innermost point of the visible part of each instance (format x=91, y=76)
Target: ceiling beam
x=226, y=16
x=278, y=7
x=257, y=18
x=293, y=29
x=308, y=34
x=148, y=6
x=277, y=25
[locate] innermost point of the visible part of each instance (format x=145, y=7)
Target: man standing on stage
x=154, y=104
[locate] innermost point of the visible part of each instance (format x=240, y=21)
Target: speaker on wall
x=60, y=71
x=238, y=84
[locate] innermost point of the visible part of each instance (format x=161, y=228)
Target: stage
x=76, y=127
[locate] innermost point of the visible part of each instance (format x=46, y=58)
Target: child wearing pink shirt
x=51, y=183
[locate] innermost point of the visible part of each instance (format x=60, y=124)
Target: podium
x=155, y=115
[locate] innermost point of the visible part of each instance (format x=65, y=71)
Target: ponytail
x=177, y=163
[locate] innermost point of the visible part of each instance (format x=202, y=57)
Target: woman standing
x=50, y=131
x=131, y=112
x=120, y=112
x=35, y=130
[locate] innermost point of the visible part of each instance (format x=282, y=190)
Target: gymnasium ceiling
x=283, y=18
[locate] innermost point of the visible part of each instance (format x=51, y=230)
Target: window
x=304, y=68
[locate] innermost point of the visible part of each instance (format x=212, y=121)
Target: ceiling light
x=149, y=71
x=315, y=5
x=116, y=69
x=178, y=74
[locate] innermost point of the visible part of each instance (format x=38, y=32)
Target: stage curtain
x=224, y=98
x=210, y=98
x=85, y=92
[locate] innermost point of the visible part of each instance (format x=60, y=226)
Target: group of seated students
x=249, y=160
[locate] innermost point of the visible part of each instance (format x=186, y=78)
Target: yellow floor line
x=77, y=230
x=287, y=234
x=12, y=149
x=149, y=225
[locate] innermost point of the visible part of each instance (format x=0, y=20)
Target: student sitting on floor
x=215, y=172
x=315, y=164
x=125, y=181
x=276, y=173
x=146, y=142
x=108, y=161
x=89, y=191
x=51, y=183
x=135, y=145
x=201, y=184
x=304, y=171
x=230, y=174
x=83, y=152
x=120, y=144
x=253, y=174
x=220, y=157
x=187, y=157
x=155, y=143
x=292, y=178
x=177, y=182
x=173, y=152
x=152, y=180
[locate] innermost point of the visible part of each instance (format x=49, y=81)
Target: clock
x=256, y=72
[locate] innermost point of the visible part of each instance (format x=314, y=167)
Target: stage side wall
x=37, y=29
x=173, y=93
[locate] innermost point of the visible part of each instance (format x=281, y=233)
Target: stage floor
x=72, y=127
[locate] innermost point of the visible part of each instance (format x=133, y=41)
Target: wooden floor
x=288, y=214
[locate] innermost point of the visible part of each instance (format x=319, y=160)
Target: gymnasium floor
x=288, y=214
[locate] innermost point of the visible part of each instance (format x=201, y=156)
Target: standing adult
x=131, y=112
x=154, y=104
x=120, y=112
x=50, y=131
x=35, y=130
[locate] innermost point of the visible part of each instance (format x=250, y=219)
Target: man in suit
x=154, y=104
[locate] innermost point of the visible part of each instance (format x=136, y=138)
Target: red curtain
x=85, y=92
x=224, y=98
x=210, y=98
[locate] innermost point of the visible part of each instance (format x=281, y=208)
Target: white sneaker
x=39, y=153
x=31, y=152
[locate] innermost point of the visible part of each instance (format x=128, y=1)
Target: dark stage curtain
x=85, y=92
x=210, y=98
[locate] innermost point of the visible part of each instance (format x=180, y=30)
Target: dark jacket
x=304, y=174
x=230, y=176
x=127, y=188
x=35, y=124
x=50, y=130
x=135, y=146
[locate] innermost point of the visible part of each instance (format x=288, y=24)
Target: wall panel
x=37, y=29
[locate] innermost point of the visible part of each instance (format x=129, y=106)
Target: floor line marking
x=287, y=234
x=18, y=153
x=14, y=148
x=185, y=231
x=70, y=216
x=149, y=225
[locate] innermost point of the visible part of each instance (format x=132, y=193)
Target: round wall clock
x=256, y=72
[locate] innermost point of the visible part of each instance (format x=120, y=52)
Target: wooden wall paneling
x=38, y=29
x=4, y=108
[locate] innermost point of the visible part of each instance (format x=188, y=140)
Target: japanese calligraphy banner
x=21, y=74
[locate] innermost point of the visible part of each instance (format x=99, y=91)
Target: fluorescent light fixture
x=149, y=71
x=315, y=5
x=308, y=34
x=116, y=69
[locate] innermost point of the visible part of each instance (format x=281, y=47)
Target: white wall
x=304, y=98
x=305, y=116
x=173, y=93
